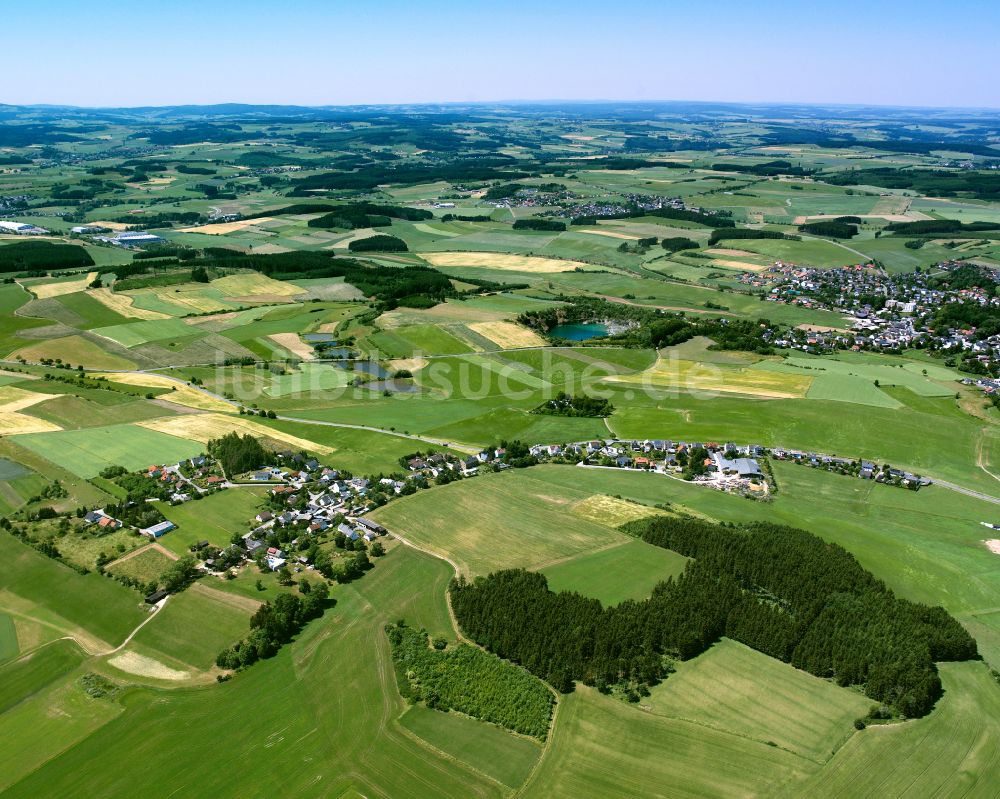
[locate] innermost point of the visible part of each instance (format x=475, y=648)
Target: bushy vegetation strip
x=466, y=679
x=780, y=590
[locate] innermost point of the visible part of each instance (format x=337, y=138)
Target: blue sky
x=887, y=52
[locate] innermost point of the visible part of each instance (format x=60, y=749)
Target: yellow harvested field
x=73, y=350
x=142, y=666
x=508, y=335
x=745, y=266
x=294, y=344
x=714, y=378
x=186, y=299
x=357, y=235
x=12, y=424
x=203, y=427
x=110, y=225
x=248, y=285
x=182, y=393
x=611, y=234
x=500, y=260
x=222, y=228
x=412, y=365
x=123, y=304
x=271, y=249
x=425, y=228
x=611, y=511
x=908, y=216
x=46, y=290
x=17, y=399
x=732, y=252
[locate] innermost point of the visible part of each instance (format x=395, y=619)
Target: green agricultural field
x=86, y=452
x=35, y=671
x=71, y=412
x=495, y=752
x=214, y=519
x=47, y=723
x=296, y=724
x=12, y=297
x=195, y=625
x=604, y=747
x=953, y=751
x=612, y=575
x=358, y=451
x=527, y=522
x=132, y=334
x=44, y=589
x=735, y=689
x=424, y=339
x=145, y=566
x=8, y=638
x=92, y=312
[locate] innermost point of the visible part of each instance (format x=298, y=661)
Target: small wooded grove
x=470, y=681
x=564, y=404
x=274, y=625
x=780, y=590
x=237, y=453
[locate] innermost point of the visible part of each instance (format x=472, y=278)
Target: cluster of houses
x=628, y=204
x=313, y=499
x=103, y=520
x=881, y=311
x=865, y=470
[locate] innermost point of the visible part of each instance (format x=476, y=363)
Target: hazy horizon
x=894, y=54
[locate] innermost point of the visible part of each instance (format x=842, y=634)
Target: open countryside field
x=692, y=376
x=406, y=584
x=203, y=427
x=502, y=261
x=178, y=392
x=624, y=571
x=86, y=452
x=194, y=626
x=214, y=519
x=735, y=689
x=529, y=529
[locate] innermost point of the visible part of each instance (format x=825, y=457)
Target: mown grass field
x=612, y=575
x=214, y=519
x=194, y=626
x=496, y=521
x=495, y=752
x=955, y=751
x=146, y=566
x=736, y=689
x=604, y=747
x=343, y=655
x=46, y=590
x=86, y=452
x=51, y=713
